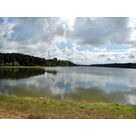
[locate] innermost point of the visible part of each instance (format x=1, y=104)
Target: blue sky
x=109, y=47
x=80, y=40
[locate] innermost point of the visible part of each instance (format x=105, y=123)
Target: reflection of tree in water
x=20, y=73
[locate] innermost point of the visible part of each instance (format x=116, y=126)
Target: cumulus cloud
x=41, y=37
x=37, y=29
x=99, y=31
x=27, y=35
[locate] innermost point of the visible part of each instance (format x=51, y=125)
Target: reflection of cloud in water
x=67, y=80
x=108, y=79
x=70, y=80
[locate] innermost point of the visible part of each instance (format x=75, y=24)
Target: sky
x=84, y=40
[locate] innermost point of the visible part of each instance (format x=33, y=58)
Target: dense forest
x=17, y=59
x=116, y=65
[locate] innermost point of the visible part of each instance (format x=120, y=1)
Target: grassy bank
x=26, y=107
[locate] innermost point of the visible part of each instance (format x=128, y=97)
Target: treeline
x=17, y=59
x=116, y=65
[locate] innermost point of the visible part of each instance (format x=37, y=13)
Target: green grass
x=32, y=107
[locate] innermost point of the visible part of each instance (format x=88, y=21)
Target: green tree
x=10, y=63
x=7, y=64
x=16, y=63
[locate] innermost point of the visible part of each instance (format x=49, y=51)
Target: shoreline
x=16, y=107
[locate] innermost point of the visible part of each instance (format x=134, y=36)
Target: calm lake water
x=93, y=84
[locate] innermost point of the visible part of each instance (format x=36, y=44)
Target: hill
x=17, y=59
x=116, y=65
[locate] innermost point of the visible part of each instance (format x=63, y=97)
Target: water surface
x=93, y=84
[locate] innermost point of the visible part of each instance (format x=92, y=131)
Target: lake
x=91, y=84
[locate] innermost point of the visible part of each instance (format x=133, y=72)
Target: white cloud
x=40, y=37
x=99, y=31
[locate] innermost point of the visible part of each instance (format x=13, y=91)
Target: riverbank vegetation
x=14, y=67
x=40, y=108
x=17, y=59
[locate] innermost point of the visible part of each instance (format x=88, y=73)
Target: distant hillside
x=116, y=65
x=17, y=59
